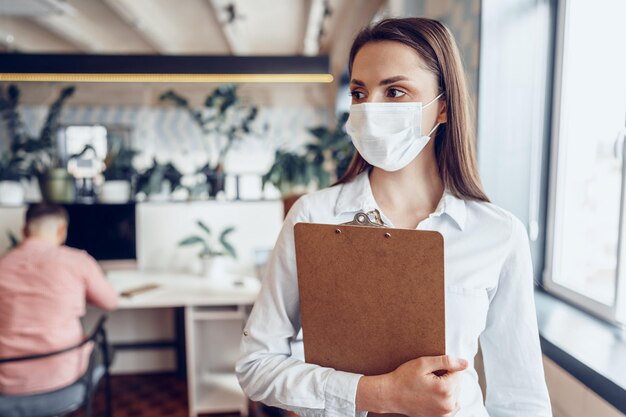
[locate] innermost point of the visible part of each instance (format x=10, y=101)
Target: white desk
x=214, y=319
x=182, y=290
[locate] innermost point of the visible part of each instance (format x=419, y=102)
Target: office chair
x=65, y=400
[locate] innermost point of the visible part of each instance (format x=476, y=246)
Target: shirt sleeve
x=98, y=290
x=266, y=369
x=510, y=342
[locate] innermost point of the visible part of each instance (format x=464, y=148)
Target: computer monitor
x=105, y=231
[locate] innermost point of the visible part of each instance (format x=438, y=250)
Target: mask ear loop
x=432, y=101
x=437, y=124
x=433, y=129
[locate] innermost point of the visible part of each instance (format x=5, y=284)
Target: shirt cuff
x=340, y=395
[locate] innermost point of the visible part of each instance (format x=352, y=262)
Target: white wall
x=160, y=226
x=513, y=109
x=11, y=220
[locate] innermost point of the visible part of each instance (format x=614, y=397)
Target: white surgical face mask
x=388, y=135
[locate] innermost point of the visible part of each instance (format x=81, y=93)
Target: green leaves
x=289, y=170
x=204, y=227
x=179, y=100
x=324, y=159
x=51, y=124
x=332, y=145
x=230, y=250
x=38, y=152
x=216, y=117
x=119, y=161
x=222, y=98
x=151, y=181
x=12, y=168
x=207, y=248
x=194, y=240
x=191, y=241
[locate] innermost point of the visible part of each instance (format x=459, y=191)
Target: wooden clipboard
x=371, y=297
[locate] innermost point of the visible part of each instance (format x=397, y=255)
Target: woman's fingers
x=431, y=364
x=413, y=386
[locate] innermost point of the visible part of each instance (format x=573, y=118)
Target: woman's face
x=388, y=71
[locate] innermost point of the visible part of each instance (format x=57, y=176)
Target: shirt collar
x=357, y=195
x=34, y=241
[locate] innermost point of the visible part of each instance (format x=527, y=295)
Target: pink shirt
x=43, y=289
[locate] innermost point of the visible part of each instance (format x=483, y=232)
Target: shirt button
x=245, y=332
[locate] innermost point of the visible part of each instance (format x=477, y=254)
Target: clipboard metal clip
x=365, y=219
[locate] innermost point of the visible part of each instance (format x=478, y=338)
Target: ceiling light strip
x=169, y=78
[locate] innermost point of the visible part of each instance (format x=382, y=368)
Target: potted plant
x=224, y=120
x=212, y=255
x=331, y=153
x=118, y=174
x=39, y=152
x=322, y=162
x=291, y=173
x=159, y=181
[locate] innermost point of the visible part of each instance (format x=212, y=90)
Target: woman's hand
x=414, y=389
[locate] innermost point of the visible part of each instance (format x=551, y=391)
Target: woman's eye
x=395, y=93
x=357, y=95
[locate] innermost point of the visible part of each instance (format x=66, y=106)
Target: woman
x=410, y=124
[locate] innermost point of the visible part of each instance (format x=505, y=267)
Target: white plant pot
x=215, y=269
x=11, y=193
x=117, y=191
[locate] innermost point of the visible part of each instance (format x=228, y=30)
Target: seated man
x=43, y=288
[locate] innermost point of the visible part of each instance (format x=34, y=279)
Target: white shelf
x=219, y=393
x=215, y=315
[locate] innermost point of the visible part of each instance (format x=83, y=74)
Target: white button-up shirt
x=489, y=296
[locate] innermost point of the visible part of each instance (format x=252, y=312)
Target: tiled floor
x=160, y=395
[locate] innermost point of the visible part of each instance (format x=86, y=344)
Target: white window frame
x=616, y=313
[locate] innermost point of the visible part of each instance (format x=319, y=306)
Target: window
x=587, y=210
x=78, y=137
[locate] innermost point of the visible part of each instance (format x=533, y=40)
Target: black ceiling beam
x=161, y=64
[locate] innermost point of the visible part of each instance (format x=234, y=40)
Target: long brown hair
x=454, y=140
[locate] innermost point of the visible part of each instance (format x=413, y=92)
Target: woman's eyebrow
x=386, y=81
x=392, y=80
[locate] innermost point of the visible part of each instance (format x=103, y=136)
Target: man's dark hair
x=38, y=211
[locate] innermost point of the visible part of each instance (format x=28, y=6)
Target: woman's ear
x=442, y=117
